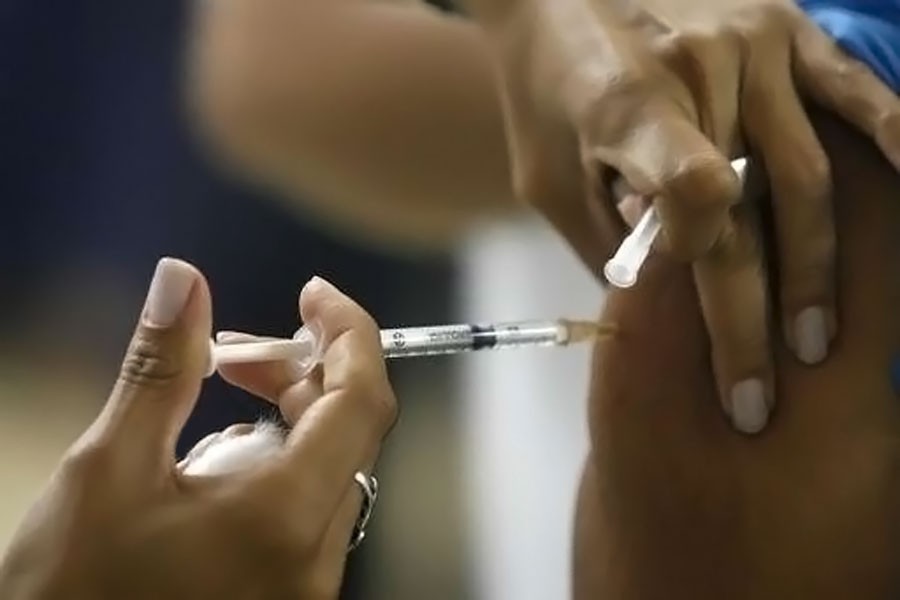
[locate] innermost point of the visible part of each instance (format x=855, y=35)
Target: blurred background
x=101, y=177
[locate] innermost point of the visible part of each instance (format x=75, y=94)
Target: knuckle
x=79, y=461
x=367, y=386
x=368, y=326
x=706, y=180
x=814, y=176
x=848, y=71
x=380, y=403
x=810, y=264
x=766, y=16
x=809, y=177
x=672, y=47
x=888, y=122
x=611, y=103
x=691, y=43
x=778, y=11
x=386, y=410
x=87, y=463
x=739, y=248
x=804, y=192
x=146, y=363
x=608, y=104
x=617, y=85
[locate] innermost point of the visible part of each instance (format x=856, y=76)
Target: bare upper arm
x=676, y=504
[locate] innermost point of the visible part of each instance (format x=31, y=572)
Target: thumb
x=163, y=369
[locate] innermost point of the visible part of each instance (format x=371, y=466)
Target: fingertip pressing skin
x=749, y=412
x=811, y=335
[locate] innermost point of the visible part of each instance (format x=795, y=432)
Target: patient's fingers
x=799, y=174
x=732, y=287
x=666, y=157
x=849, y=88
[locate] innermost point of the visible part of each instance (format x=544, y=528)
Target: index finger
x=663, y=155
x=340, y=432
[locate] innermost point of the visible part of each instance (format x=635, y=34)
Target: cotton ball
x=230, y=451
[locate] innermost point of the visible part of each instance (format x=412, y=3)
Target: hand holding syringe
x=623, y=268
x=304, y=350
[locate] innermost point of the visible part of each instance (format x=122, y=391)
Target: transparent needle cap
x=301, y=353
x=623, y=268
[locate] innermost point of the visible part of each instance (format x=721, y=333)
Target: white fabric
x=524, y=423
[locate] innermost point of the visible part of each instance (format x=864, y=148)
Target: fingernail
x=749, y=412
x=169, y=292
x=811, y=335
x=235, y=337
x=314, y=284
x=317, y=285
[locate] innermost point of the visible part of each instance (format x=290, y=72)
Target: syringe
x=305, y=349
x=623, y=268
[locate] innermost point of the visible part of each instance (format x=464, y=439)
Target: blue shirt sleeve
x=868, y=30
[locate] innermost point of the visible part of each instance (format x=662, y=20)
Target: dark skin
x=675, y=504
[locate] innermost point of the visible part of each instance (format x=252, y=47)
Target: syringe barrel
x=451, y=339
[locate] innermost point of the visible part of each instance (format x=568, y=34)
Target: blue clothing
x=868, y=30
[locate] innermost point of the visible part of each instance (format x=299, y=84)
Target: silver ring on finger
x=369, y=487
